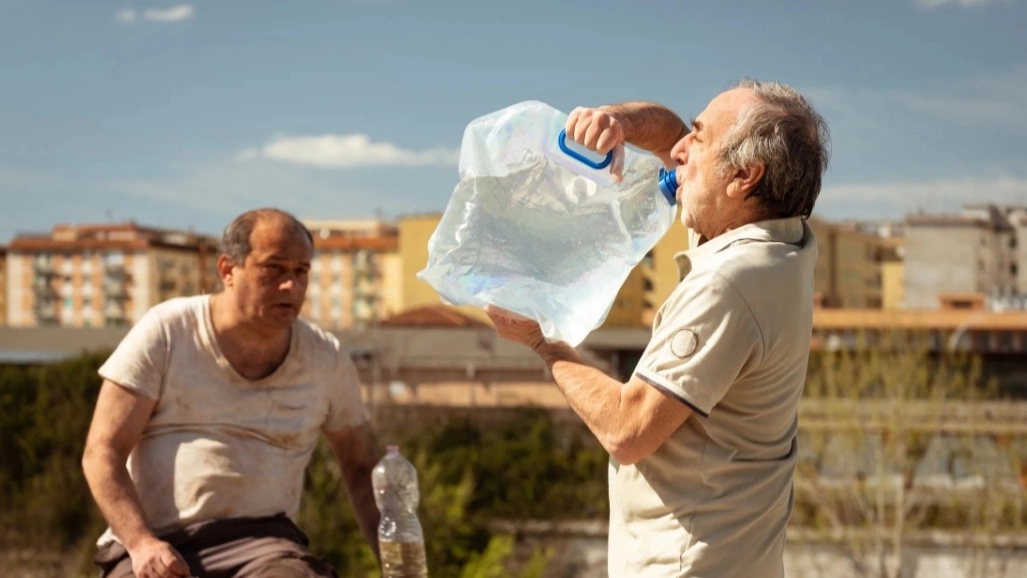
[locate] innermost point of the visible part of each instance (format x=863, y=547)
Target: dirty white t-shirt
x=219, y=445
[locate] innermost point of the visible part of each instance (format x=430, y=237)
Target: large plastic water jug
x=538, y=226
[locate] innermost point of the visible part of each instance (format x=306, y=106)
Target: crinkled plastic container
x=538, y=226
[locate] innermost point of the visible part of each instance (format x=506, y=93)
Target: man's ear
x=225, y=270
x=746, y=179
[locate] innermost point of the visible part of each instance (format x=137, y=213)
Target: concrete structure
x=349, y=283
x=859, y=265
x=108, y=274
x=975, y=251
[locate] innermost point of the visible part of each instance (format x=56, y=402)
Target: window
x=114, y=258
x=1012, y=242
x=1012, y=269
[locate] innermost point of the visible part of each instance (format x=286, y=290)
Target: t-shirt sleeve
x=139, y=361
x=705, y=339
x=346, y=407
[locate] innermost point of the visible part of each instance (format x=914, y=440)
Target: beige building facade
x=976, y=251
x=860, y=266
x=352, y=275
x=103, y=275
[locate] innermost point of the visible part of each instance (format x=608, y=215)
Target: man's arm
x=357, y=453
x=118, y=422
x=631, y=420
x=646, y=125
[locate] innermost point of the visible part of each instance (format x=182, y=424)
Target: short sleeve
x=704, y=339
x=140, y=360
x=346, y=407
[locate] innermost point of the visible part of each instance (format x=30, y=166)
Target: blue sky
x=185, y=114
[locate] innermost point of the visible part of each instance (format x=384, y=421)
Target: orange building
x=103, y=275
x=352, y=276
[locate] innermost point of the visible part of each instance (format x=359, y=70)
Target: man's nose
x=290, y=283
x=680, y=151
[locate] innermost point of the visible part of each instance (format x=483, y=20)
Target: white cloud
x=930, y=4
x=126, y=16
x=173, y=14
x=346, y=151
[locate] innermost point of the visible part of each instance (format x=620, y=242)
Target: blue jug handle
x=582, y=158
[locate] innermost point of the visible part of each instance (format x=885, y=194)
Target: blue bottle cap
x=669, y=185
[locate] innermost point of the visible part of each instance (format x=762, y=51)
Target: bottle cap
x=392, y=449
x=669, y=185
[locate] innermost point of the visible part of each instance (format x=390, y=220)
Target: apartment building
x=974, y=252
x=860, y=265
x=354, y=275
x=103, y=275
x=3, y=286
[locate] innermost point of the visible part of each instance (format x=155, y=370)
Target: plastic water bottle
x=537, y=225
x=400, y=538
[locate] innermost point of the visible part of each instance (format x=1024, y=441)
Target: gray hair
x=235, y=241
x=790, y=138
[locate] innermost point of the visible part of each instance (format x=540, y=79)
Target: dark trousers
x=234, y=548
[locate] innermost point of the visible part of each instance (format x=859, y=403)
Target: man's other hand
x=515, y=327
x=157, y=559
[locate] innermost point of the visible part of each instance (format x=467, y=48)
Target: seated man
x=208, y=415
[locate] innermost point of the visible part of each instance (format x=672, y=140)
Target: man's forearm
x=361, y=496
x=593, y=395
x=116, y=497
x=648, y=126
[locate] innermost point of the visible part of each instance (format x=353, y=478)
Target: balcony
x=43, y=289
x=365, y=289
x=114, y=309
x=363, y=263
x=115, y=289
x=363, y=311
x=43, y=269
x=45, y=313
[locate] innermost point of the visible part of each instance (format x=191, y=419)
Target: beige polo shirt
x=732, y=343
